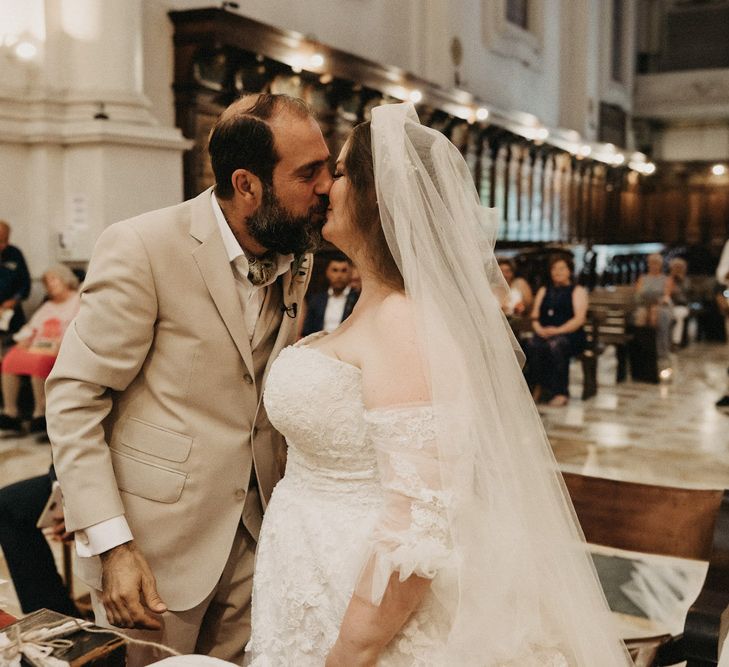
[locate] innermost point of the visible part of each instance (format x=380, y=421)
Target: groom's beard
x=277, y=229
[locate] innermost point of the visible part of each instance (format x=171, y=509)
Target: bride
x=422, y=519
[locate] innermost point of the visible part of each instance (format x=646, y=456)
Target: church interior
x=597, y=129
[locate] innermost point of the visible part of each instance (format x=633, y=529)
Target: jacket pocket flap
x=147, y=480
x=155, y=440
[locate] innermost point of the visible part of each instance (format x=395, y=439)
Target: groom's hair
x=242, y=138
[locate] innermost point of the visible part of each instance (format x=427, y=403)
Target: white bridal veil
x=521, y=578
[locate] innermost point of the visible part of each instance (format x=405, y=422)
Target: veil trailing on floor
x=521, y=578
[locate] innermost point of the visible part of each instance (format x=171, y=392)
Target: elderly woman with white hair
x=36, y=348
x=653, y=296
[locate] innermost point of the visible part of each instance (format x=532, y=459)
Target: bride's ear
x=247, y=187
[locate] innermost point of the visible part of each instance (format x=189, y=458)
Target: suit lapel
x=214, y=266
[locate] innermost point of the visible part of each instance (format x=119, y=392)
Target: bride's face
x=338, y=228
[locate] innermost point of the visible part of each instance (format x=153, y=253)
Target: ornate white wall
x=503, y=65
x=66, y=172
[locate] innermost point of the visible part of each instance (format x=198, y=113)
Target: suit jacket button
x=240, y=494
x=248, y=379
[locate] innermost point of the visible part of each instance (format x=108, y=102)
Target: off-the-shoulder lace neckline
x=303, y=344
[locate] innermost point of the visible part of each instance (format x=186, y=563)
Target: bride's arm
x=393, y=376
x=367, y=628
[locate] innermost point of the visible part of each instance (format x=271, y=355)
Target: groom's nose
x=324, y=182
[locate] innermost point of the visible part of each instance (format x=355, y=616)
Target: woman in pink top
x=37, y=347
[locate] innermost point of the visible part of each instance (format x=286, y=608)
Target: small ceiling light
x=619, y=158
x=463, y=112
x=649, y=169
x=399, y=93
x=25, y=50
x=317, y=60
x=718, y=170
x=297, y=64
x=584, y=151
x=415, y=96
x=482, y=113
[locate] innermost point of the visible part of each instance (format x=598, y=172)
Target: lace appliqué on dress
x=412, y=535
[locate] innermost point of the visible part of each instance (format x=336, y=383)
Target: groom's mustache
x=321, y=207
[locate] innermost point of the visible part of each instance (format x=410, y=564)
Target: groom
x=162, y=447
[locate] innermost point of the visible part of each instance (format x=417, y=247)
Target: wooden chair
x=612, y=308
x=684, y=523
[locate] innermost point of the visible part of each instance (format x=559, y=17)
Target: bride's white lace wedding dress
x=329, y=515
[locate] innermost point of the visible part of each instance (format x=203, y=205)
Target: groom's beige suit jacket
x=154, y=404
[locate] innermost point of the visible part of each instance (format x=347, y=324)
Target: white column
x=579, y=68
x=68, y=173
x=94, y=55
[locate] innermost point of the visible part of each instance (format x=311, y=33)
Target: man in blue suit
x=325, y=311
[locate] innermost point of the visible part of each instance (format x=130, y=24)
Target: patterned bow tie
x=261, y=270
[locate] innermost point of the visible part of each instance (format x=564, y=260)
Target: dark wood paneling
x=543, y=193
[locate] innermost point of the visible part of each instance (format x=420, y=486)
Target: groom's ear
x=247, y=187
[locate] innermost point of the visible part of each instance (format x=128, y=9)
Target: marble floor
x=664, y=434
x=669, y=434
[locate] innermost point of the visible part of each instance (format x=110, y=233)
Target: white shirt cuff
x=102, y=536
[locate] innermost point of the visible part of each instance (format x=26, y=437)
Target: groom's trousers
x=220, y=626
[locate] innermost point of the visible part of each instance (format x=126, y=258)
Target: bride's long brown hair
x=364, y=211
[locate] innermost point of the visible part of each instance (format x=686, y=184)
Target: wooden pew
x=612, y=307
x=684, y=523
x=522, y=329
x=588, y=357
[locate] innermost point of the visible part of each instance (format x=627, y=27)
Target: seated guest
x=27, y=553
x=678, y=273
x=520, y=296
x=36, y=348
x=14, y=283
x=325, y=311
x=653, y=296
x=558, y=318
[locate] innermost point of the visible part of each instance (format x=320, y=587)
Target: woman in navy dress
x=558, y=319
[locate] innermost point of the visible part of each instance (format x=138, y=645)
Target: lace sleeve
x=412, y=535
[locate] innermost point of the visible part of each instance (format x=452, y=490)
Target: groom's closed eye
x=309, y=171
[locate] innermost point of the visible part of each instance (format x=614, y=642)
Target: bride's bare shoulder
x=395, y=371
x=395, y=319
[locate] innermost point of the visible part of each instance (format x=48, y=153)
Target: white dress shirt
x=108, y=534
x=251, y=296
x=335, y=309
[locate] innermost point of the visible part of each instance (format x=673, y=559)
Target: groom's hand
x=129, y=591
